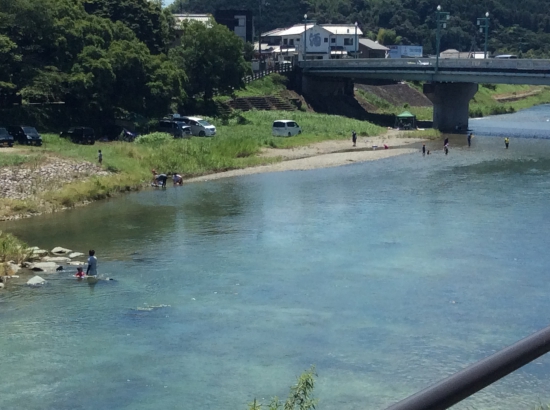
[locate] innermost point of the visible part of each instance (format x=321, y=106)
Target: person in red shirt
x=79, y=273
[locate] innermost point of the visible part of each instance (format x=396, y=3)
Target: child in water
x=79, y=273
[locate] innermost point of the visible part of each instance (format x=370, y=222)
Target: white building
x=324, y=41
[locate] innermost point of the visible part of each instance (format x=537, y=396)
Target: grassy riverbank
x=235, y=146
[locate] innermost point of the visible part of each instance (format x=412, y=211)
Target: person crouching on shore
x=177, y=179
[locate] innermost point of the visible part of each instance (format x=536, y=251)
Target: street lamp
x=442, y=17
x=355, y=39
x=483, y=23
x=305, y=37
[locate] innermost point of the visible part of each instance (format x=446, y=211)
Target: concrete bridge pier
x=451, y=104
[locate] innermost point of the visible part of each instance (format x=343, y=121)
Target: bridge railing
x=428, y=64
x=463, y=384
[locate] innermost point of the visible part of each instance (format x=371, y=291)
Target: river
x=386, y=275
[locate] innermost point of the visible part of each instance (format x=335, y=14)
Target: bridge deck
x=517, y=71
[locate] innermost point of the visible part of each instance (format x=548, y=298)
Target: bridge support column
x=451, y=104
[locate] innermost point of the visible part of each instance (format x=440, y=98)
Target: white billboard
x=405, y=51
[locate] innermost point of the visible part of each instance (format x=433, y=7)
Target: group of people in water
x=159, y=180
x=469, y=139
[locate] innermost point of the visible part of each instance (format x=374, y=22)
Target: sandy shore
x=324, y=155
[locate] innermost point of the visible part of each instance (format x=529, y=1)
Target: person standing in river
x=92, y=264
x=354, y=138
x=506, y=142
x=470, y=139
x=423, y=149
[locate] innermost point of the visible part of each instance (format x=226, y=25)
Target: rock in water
x=58, y=250
x=76, y=255
x=1, y=285
x=39, y=252
x=36, y=281
x=43, y=266
x=57, y=259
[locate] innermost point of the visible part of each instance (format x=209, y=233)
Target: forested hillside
x=107, y=58
x=516, y=26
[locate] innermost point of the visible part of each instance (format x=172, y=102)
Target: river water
x=387, y=276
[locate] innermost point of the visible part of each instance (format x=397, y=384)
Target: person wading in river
x=92, y=264
x=506, y=142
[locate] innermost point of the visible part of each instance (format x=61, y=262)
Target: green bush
x=154, y=138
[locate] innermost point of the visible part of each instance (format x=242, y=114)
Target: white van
x=286, y=128
x=199, y=127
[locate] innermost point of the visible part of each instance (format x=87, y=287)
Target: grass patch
x=484, y=103
x=269, y=85
x=9, y=160
x=12, y=249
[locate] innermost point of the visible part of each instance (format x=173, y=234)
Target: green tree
x=387, y=37
x=212, y=57
x=146, y=19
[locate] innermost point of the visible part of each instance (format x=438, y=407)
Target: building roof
x=342, y=29
x=203, y=18
x=299, y=29
x=373, y=45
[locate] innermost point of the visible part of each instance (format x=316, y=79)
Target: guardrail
x=429, y=63
x=463, y=384
x=261, y=74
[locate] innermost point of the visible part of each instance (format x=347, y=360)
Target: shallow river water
x=387, y=276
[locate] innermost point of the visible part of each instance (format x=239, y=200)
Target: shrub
x=12, y=249
x=153, y=138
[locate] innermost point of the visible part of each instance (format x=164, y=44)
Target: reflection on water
x=386, y=275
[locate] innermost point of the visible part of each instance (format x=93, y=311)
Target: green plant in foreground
x=11, y=249
x=299, y=398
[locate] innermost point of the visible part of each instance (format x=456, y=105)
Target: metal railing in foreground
x=463, y=384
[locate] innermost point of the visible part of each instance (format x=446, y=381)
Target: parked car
x=5, y=138
x=80, y=135
x=199, y=127
x=25, y=135
x=285, y=128
x=178, y=129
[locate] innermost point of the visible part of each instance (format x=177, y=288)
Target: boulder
x=76, y=263
x=36, y=281
x=39, y=252
x=58, y=250
x=43, y=266
x=1, y=285
x=75, y=255
x=13, y=268
x=56, y=259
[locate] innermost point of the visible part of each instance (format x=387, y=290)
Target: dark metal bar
x=479, y=375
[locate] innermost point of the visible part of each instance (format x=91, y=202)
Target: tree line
x=521, y=27
x=111, y=58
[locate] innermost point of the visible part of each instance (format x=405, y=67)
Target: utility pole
x=305, y=37
x=355, y=39
x=483, y=23
x=442, y=17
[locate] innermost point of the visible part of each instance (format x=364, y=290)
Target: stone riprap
x=24, y=181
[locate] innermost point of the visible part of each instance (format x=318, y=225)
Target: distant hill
x=519, y=27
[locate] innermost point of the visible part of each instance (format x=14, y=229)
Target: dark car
x=80, y=135
x=25, y=135
x=178, y=129
x=5, y=138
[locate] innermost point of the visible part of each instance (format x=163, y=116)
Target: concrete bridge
x=450, y=85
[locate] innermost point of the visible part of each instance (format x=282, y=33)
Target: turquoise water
x=387, y=275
